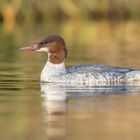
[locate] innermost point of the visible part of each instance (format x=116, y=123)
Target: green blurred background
x=106, y=31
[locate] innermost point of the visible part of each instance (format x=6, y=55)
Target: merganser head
x=54, y=45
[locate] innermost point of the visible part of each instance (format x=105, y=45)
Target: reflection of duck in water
x=55, y=71
x=58, y=110
x=54, y=104
x=55, y=99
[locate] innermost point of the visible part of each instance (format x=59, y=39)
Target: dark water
x=30, y=110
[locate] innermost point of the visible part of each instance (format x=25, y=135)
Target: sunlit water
x=31, y=110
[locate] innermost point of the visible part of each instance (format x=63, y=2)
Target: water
x=30, y=110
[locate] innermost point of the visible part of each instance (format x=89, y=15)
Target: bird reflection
x=55, y=98
x=54, y=103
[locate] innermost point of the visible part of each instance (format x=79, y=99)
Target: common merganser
x=55, y=71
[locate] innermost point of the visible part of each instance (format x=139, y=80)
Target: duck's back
x=100, y=74
x=97, y=68
x=95, y=75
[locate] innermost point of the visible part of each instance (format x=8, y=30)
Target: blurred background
x=105, y=31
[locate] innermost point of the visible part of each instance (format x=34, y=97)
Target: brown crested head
x=54, y=45
x=52, y=38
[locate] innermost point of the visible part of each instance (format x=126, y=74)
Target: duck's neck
x=52, y=71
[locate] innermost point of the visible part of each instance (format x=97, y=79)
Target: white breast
x=51, y=71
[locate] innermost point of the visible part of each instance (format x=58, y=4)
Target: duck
x=55, y=71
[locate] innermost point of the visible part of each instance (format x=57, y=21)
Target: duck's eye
x=42, y=43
